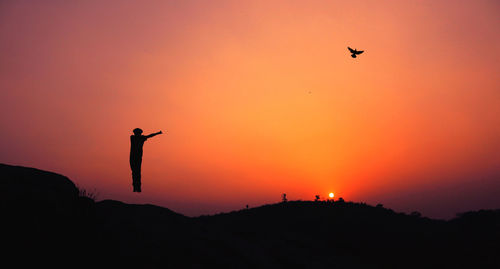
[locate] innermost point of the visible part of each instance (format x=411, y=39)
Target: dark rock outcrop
x=36, y=191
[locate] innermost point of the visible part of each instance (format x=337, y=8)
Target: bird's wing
x=359, y=52
x=351, y=50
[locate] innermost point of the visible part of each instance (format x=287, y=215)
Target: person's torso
x=136, y=144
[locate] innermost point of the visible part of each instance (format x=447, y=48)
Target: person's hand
x=160, y=132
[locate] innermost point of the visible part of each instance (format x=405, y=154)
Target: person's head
x=137, y=131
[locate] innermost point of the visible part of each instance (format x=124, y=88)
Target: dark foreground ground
x=47, y=223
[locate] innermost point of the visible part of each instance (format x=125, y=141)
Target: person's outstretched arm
x=151, y=135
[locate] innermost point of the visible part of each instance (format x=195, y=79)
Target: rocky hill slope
x=47, y=222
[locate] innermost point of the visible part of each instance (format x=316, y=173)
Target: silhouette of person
x=136, y=142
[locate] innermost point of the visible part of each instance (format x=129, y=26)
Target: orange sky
x=413, y=123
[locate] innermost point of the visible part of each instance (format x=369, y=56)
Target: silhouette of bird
x=355, y=52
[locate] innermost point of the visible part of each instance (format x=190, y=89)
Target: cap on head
x=137, y=131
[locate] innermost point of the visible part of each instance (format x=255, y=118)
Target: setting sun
x=331, y=195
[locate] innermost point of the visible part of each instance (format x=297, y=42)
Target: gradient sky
x=258, y=98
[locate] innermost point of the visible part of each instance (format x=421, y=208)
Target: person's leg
x=136, y=180
x=136, y=175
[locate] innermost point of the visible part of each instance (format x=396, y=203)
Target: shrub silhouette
x=416, y=214
x=92, y=195
x=316, y=198
x=283, y=198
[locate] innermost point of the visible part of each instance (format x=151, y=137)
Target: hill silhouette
x=46, y=221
